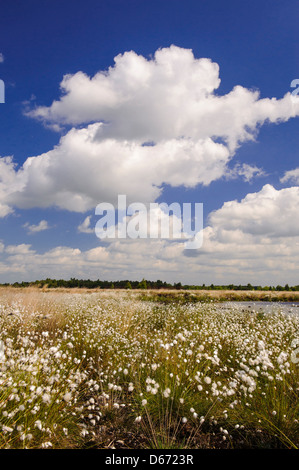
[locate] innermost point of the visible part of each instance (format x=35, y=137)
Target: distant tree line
x=143, y=284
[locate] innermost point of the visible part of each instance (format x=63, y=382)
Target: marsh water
x=263, y=307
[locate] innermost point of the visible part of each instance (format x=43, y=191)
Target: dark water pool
x=267, y=307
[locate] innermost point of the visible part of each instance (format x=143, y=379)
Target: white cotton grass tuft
x=67, y=397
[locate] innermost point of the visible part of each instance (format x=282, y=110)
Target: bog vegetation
x=114, y=369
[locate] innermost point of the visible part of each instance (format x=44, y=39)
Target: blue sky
x=255, y=44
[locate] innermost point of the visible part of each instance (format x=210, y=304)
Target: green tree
x=142, y=284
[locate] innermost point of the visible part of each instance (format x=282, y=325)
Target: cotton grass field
x=110, y=369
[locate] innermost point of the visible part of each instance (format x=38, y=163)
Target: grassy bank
x=172, y=295
x=181, y=296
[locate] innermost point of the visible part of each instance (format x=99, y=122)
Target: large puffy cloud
x=82, y=171
x=9, y=183
x=147, y=123
x=166, y=97
x=269, y=212
x=255, y=239
x=139, y=98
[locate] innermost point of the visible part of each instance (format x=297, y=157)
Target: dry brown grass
x=34, y=302
x=32, y=295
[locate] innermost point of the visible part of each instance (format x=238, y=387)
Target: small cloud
x=291, y=176
x=54, y=127
x=1, y=58
x=29, y=102
x=85, y=226
x=245, y=171
x=43, y=225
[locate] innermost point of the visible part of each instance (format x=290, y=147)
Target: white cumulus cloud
x=141, y=124
x=169, y=96
x=82, y=171
x=291, y=176
x=42, y=225
x=269, y=212
x=85, y=226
